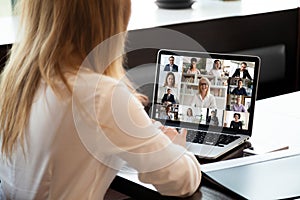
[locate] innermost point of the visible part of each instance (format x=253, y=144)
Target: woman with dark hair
x=193, y=67
x=216, y=70
x=236, y=124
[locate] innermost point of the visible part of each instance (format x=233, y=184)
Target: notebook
x=211, y=95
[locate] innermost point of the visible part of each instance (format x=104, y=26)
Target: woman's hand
x=172, y=133
x=177, y=138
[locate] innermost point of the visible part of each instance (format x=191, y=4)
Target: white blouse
x=74, y=148
x=208, y=102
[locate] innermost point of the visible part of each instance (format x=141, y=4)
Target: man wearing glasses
x=171, y=67
x=242, y=72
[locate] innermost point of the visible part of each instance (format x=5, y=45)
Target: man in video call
x=168, y=98
x=242, y=72
x=171, y=66
x=239, y=90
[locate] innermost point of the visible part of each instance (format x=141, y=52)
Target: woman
x=236, y=124
x=167, y=113
x=189, y=115
x=215, y=71
x=203, y=99
x=213, y=119
x=193, y=67
x=170, y=80
x=68, y=122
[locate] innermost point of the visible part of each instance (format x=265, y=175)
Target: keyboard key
x=210, y=138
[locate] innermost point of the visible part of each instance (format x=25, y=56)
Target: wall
x=234, y=34
x=254, y=34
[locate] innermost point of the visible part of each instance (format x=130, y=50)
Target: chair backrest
x=143, y=79
x=272, y=62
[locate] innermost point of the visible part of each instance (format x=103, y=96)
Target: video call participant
x=212, y=119
x=170, y=80
x=203, y=99
x=193, y=67
x=42, y=155
x=239, y=90
x=168, y=98
x=167, y=113
x=216, y=70
x=189, y=115
x=236, y=124
x=238, y=106
x=242, y=72
x=171, y=66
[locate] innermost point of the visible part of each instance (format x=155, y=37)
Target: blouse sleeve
x=135, y=139
x=213, y=103
x=231, y=124
x=241, y=125
x=244, y=92
x=194, y=101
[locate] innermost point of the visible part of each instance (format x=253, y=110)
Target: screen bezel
x=204, y=127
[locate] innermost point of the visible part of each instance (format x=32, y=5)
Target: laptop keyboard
x=210, y=138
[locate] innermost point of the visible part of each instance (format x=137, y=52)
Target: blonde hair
x=56, y=37
x=208, y=85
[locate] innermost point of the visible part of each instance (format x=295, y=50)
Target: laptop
x=211, y=95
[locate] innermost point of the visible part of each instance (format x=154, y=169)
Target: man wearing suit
x=168, y=97
x=242, y=72
x=171, y=66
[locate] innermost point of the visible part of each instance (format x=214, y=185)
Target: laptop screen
x=205, y=90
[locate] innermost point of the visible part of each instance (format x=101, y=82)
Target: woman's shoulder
x=88, y=81
x=91, y=78
x=211, y=96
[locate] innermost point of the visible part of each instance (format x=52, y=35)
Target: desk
x=274, y=117
x=201, y=10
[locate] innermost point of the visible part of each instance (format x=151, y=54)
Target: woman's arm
x=194, y=101
x=212, y=100
x=134, y=138
x=231, y=124
x=240, y=125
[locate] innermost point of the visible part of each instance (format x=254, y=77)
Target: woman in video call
x=203, y=99
x=170, y=80
x=236, y=124
x=189, y=115
x=216, y=70
x=193, y=67
x=52, y=145
x=167, y=113
x=212, y=119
